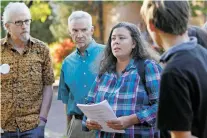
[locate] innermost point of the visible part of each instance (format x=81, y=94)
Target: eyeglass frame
x=20, y=22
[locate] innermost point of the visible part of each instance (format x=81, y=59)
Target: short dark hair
x=141, y=50
x=169, y=16
x=199, y=33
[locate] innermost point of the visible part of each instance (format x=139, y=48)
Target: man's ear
x=7, y=27
x=92, y=30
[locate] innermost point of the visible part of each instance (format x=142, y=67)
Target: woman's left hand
x=123, y=122
x=119, y=124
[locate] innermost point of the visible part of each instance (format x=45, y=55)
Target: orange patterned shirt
x=22, y=87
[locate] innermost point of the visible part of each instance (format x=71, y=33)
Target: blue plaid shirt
x=127, y=96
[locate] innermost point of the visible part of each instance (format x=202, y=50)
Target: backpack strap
x=141, y=71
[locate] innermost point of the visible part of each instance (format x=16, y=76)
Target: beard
x=25, y=37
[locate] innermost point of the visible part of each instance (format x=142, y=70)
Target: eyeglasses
x=20, y=23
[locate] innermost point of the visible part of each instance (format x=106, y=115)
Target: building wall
x=119, y=12
x=198, y=20
x=114, y=13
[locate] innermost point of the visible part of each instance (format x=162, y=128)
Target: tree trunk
x=100, y=20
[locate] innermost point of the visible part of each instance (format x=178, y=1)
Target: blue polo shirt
x=77, y=75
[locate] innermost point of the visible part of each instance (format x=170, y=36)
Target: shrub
x=59, y=51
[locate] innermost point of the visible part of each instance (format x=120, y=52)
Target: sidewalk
x=56, y=125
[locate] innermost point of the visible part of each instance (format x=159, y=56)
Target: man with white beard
x=26, y=77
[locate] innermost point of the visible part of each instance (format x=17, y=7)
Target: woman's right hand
x=92, y=125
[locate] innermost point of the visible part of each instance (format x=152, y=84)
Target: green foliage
x=195, y=8
x=41, y=31
x=57, y=68
x=40, y=11
x=3, y=5
x=59, y=51
x=59, y=26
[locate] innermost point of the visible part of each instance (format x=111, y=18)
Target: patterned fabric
x=127, y=96
x=77, y=75
x=22, y=87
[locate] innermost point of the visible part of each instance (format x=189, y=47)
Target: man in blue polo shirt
x=78, y=71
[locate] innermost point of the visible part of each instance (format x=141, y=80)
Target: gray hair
x=12, y=8
x=79, y=15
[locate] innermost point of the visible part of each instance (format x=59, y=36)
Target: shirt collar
x=89, y=49
x=10, y=46
x=180, y=47
x=131, y=65
x=6, y=40
x=31, y=40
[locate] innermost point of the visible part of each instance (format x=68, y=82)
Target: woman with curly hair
x=120, y=82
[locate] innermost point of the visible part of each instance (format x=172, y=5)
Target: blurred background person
x=199, y=33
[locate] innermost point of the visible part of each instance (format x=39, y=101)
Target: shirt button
x=84, y=86
x=84, y=73
x=84, y=61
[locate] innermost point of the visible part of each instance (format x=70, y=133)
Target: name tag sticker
x=4, y=68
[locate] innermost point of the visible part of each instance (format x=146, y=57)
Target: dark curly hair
x=108, y=63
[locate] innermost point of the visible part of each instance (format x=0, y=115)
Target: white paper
x=100, y=112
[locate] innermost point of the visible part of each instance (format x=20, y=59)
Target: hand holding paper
x=100, y=112
x=123, y=122
x=93, y=125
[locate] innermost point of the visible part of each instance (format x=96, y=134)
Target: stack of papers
x=100, y=112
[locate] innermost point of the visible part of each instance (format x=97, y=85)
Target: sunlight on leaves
x=40, y=11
